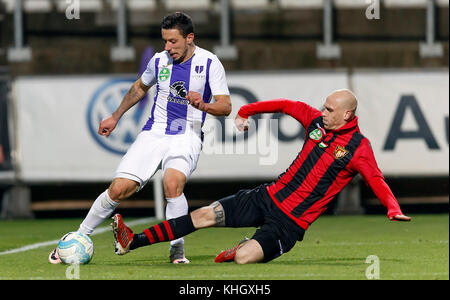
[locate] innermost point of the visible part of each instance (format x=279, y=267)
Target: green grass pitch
x=335, y=247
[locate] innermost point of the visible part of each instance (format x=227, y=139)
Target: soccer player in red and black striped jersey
x=333, y=153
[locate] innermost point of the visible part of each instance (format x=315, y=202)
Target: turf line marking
x=54, y=242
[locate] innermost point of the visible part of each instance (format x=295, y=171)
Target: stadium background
x=262, y=38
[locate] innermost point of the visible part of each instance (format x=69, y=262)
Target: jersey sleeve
x=364, y=162
x=385, y=195
x=300, y=111
x=217, y=78
x=149, y=76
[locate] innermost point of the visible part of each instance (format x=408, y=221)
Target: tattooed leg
x=208, y=216
x=219, y=213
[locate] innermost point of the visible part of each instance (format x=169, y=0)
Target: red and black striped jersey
x=327, y=162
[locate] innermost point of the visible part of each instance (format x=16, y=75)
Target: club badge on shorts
x=340, y=152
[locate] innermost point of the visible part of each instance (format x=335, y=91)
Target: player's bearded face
x=175, y=44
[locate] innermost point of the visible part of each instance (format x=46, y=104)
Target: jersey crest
x=340, y=152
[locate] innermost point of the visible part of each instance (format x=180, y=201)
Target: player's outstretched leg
x=125, y=240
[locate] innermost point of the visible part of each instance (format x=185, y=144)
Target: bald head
x=339, y=109
x=346, y=99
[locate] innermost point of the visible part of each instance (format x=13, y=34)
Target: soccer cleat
x=123, y=236
x=182, y=260
x=177, y=255
x=229, y=254
x=53, y=258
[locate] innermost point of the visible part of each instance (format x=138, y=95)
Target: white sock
x=102, y=208
x=176, y=207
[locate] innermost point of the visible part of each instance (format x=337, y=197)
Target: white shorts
x=140, y=163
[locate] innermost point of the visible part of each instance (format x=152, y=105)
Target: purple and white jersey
x=171, y=113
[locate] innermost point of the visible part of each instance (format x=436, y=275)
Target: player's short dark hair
x=180, y=21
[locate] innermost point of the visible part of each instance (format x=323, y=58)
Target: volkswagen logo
x=103, y=103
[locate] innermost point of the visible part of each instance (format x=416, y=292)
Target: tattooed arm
x=134, y=95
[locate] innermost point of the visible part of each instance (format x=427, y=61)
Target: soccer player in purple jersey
x=187, y=77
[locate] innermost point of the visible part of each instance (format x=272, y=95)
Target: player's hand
x=107, y=126
x=241, y=123
x=195, y=99
x=401, y=218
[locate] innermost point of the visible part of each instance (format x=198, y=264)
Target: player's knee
x=121, y=189
x=242, y=258
x=173, y=181
x=172, y=188
x=250, y=252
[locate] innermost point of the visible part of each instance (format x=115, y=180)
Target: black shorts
x=254, y=208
